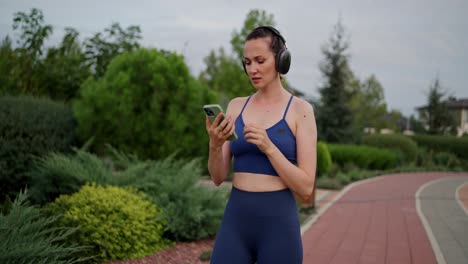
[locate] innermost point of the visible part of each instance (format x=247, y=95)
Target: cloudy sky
x=405, y=43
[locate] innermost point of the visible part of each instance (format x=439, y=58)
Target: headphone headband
x=275, y=32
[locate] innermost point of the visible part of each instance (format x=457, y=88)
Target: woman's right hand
x=219, y=131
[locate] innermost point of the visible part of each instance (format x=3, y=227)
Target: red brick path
x=374, y=222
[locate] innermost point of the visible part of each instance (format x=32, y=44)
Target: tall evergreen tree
x=437, y=116
x=334, y=117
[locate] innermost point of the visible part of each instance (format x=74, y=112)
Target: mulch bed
x=181, y=253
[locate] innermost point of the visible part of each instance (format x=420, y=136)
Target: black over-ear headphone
x=283, y=57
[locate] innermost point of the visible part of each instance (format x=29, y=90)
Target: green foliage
x=191, y=214
x=118, y=223
x=334, y=116
x=324, y=159
x=446, y=159
x=452, y=144
x=29, y=237
x=254, y=18
x=160, y=102
x=205, y=256
x=33, y=33
x=102, y=48
x=368, y=104
x=397, y=142
x=328, y=183
x=364, y=157
x=8, y=68
x=343, y=178
x=57, y=174
x=225, y=76
x=436, y=114
x=191, y=211
x=6, y=206
x=64, y=68
x=30, y=127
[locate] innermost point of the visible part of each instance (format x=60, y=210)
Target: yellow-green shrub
x=324, y=159
x=118, y=223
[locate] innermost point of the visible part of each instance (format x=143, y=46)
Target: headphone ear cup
x=283, y=61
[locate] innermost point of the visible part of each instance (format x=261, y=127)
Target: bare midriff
x=257, y=182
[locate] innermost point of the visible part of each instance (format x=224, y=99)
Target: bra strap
x=287, y=107
x=244, y=106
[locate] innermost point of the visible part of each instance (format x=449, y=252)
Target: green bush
x=146, y=103
x=192, y=211
x=27, y=236
x=455, y=145
x=30, y=127
x=57, y=174
x=364, y=157
x=400, y=143
x=118, y=223
x=446, y=159
x=328, y=183
x=324, y=159
x=343, y=178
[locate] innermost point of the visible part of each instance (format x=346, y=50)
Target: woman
x=274, y=157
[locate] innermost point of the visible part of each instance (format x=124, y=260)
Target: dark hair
x=261, y=32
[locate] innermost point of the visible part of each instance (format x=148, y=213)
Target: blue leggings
x=259, y=227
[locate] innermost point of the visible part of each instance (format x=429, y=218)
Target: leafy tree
x=33, y=34
x=334, y=118
x=65, y=68
x=8, y=68
x=437, y=116
x=103, y=47
x=225, y=76
x=146, y=103
x=368, y=104
x=416, y=125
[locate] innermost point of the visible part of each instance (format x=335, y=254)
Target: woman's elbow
x=308, y=189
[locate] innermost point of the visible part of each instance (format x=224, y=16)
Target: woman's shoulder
x=301, y=105
x=237, y=101
x=236, y=104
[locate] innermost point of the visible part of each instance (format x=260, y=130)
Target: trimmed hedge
x=30, y=127
x=118, y=223
x=364, y=157
x=324, y=159
x=452, y=144
x=400, y=143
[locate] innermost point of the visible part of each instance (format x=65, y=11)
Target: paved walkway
x=381, y=221
x=447, y=219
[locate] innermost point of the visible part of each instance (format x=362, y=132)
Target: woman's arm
x=219, y=157
x=300, y=178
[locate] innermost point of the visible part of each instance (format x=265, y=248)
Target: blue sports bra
x=249, y=158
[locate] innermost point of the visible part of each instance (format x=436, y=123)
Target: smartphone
x=212, y=110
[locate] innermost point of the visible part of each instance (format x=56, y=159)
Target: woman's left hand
x=258, y=136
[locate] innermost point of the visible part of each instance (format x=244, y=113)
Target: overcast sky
x=405, y=43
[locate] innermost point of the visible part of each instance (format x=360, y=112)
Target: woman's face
x=260, y=62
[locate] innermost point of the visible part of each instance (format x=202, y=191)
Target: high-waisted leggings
x=259, y=227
